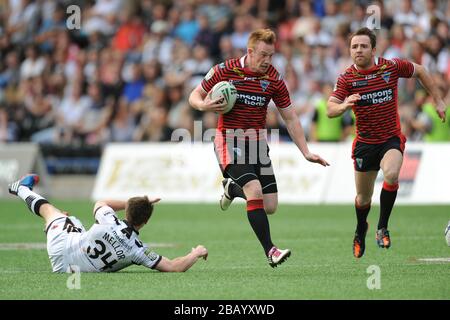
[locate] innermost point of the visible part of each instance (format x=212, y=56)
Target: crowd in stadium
x=125, y=72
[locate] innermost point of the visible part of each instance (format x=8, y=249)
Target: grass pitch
x=321, y=265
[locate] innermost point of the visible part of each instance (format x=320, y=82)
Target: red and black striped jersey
x=254, y=92
x=376, y=112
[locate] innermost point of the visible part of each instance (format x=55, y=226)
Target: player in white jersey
x=109, y=245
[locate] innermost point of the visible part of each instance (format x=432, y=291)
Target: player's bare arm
x=182, y=264
x=200, y=99
x=298, y=136
x=428, y=83
x=117, y=205
x=336, y=107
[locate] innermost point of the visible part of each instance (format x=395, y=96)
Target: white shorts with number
x=58, y=232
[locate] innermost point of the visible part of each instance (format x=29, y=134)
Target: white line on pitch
x=434, y=259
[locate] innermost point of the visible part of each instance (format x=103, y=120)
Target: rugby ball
x=227, y=91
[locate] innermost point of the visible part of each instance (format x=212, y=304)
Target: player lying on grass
x=109, y=245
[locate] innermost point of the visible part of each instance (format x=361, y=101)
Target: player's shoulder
x=104, y=211
x=392, y=62
x=273, y=73
x=217, y=69
x=347, y=73
x=228, y=64
x=383, y=63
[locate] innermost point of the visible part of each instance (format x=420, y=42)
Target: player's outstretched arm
x=428, y=83
x=335, y=107
x=117, y=205
x=200, y=100
x=298, y=136
x=182, y=264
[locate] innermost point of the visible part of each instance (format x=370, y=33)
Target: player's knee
x=270, y=208
x=253, y=190
x=363, y=200
x=391, y=176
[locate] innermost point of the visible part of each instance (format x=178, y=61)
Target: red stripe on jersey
x=254, y=94
x=376, y=113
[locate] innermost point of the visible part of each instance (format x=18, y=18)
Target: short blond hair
x=265, y=35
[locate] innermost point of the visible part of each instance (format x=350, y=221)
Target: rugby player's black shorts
x=367, y=157
x=245, y=161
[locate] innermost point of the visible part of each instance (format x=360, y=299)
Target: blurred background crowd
x=125, y=72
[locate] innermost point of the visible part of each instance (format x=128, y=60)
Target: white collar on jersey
x=242, y=61
x=375, y=62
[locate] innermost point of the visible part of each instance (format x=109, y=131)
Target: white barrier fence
x=182, y=172
x=18, y=159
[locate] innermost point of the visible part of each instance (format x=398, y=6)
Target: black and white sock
x=33, y=200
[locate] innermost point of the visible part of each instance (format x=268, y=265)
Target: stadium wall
x=183, y=172
x=18, y=159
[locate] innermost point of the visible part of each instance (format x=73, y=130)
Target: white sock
x=32, y=199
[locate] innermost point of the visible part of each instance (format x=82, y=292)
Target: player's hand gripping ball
x=227, y=91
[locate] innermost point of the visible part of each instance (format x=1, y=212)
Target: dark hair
x=138, y=210
x=366, y=32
